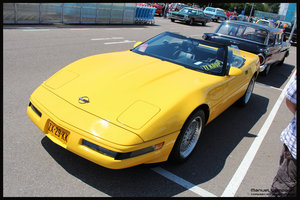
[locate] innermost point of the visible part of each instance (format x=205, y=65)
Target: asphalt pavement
x=237, y=155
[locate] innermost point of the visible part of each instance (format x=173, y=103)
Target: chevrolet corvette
x=148, y=104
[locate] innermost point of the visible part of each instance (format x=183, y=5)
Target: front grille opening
x=35, y=109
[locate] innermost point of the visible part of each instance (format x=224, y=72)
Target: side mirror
x=233, y=71
x=137, y=44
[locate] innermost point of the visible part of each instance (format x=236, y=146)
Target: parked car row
x=261, y=38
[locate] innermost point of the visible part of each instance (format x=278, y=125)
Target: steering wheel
x=209, y=60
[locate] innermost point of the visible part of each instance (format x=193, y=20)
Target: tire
x=190, y=22
x=266, y=71
x=188, y=137
x=172, y=20
x=282, y=61
x=243, y=101
x=203, y=23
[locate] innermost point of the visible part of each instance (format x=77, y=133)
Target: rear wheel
x=188, y=137
x=172, y=20
x=203, y=23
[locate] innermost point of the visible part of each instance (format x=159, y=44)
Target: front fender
x=171, y=120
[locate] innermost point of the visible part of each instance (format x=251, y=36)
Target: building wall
x=283, y=8
x=288, y=10
x=291, y=11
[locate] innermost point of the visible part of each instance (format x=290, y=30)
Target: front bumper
x=262, y=67
x=78, y=135
x=178, y=18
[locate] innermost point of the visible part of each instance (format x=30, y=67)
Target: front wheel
x=282, y=61
x=266, y=71
x=190, y=22
x=245, y=99
x=188, y=137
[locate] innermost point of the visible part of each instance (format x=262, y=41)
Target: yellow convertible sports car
x=144, y=105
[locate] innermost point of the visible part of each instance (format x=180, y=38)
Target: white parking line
x=37, y=30
x=136, y=29
x=27, y=27
x=183, y=183
x=125, y=41
x=240, y=173
x=112, y=38
x=269, y=86
x=112, y=29
x=79, y=29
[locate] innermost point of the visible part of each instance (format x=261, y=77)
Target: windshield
x=187, y=11
x=255, y=34
x=234, y=57
x=220, y=12
x=188, y=52
x=210, y=9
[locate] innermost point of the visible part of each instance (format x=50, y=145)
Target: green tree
x=273, y=7
x=265, y=7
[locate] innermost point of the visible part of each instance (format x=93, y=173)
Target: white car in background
x=216, y=14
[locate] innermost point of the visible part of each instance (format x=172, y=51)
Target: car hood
x=124, y=88
x=177, y=13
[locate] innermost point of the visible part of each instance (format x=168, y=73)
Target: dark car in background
x=287, y=29
x=287, y=34
x=189, y=16
x=266, y=42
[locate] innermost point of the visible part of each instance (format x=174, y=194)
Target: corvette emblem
x=83, y=100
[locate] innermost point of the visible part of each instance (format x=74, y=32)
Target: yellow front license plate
x=58, y=132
